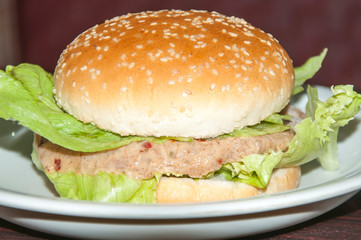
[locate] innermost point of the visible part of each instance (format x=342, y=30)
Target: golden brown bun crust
x=173, y=73
x=183, y=190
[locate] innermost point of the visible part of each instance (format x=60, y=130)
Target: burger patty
x=140, y=160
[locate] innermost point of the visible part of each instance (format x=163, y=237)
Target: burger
x=174, y=106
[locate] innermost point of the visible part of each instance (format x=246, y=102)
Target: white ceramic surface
x=27, y=199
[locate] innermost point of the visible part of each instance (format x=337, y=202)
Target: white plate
x=27, y=199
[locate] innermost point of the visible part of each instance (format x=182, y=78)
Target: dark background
x=304, y=28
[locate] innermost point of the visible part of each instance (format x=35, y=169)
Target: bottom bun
x=182, y=190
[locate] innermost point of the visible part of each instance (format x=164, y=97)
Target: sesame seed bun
x=173, y=73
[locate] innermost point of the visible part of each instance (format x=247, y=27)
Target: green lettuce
x=307, y=71
x=104, y=187
x=316, y=138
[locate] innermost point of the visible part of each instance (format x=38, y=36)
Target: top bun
x=173, y=73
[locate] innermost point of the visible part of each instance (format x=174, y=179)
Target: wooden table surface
x=344, y=222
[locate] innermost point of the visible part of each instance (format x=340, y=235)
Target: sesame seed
x=247, y=42
x=171, y=82
x=83, y=68
x=213, y=85
x=106, y=48
x=123, y=89
x=140, y=46
x=214, y=71
x=186, y=93
x=232, y=34
x=131, y=65
x=244, y=67
x=265, y=78
x=248, y=33
x=150, y=80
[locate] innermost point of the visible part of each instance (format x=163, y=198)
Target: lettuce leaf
x=26, y=95
x=307, y=71
x=104, y=187
x=316, y=138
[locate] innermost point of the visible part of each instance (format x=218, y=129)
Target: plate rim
x=342, y=185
